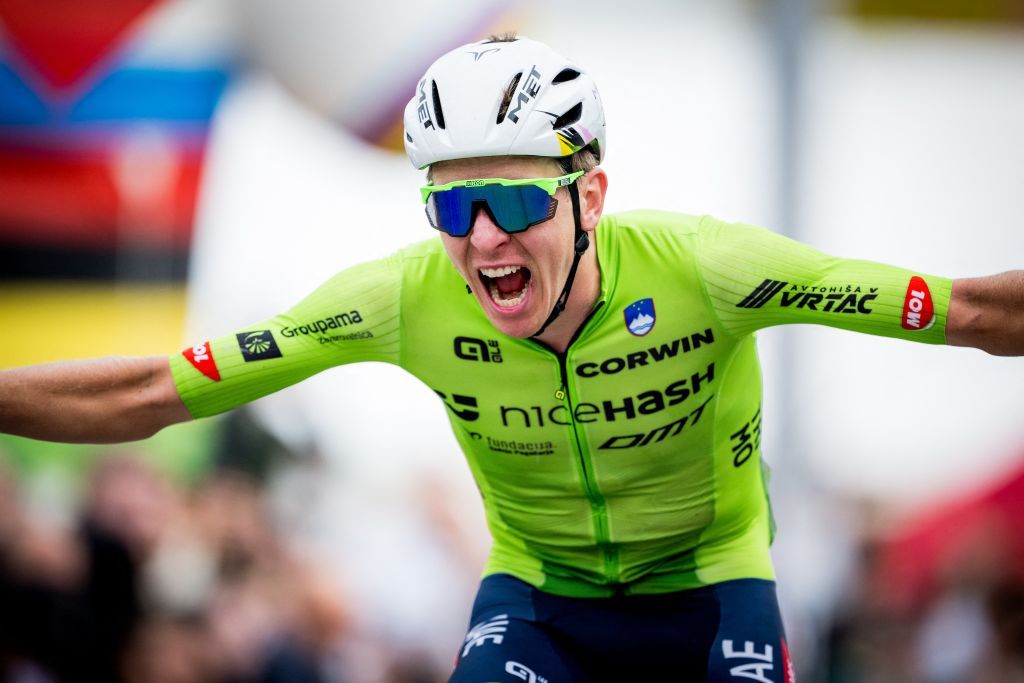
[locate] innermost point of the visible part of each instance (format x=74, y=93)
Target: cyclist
x=599, y=370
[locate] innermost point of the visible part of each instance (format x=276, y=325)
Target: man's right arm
x=354, y=316
x=105, y=400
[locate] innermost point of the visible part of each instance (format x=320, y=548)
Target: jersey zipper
x=598, y=507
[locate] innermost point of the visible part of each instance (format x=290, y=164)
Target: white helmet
x=460, y=108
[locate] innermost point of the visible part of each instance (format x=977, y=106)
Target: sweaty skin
x=629, y=462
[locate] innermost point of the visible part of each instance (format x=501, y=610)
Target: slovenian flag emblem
x=640, y=317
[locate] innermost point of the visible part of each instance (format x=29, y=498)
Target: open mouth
x=507, y=285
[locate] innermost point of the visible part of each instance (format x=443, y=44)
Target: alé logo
x=918, y=307
x=201, y=358
x=470, y=348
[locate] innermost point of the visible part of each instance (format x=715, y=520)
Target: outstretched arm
x=106, y=400
x=988, y=313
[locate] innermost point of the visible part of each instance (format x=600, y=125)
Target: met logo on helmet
x=201, y=358
x=918, y=307
x=422, y=111
x=530, y=89
x=481, y=53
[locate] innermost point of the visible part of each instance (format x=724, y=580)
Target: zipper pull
x=560, y=393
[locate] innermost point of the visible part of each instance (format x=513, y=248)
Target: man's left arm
x=988, y=313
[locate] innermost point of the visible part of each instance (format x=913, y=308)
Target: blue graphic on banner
x=640, y=317
x=127, y=95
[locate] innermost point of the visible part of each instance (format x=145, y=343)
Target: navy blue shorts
x=728, y=632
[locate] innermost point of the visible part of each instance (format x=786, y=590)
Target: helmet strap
x=580, y=244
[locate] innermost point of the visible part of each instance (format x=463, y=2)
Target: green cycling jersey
x=631, y=462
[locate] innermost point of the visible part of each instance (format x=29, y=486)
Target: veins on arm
x=988, y=313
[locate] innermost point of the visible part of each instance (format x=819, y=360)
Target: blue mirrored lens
x=513, y=207
x=451, y=211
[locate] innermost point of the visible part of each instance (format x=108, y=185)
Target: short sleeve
x=354, y=316
x=756, y=278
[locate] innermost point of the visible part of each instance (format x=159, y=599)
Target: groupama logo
x=918, y=307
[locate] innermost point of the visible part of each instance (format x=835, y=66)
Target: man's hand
x=988, y=313
x=106, y=400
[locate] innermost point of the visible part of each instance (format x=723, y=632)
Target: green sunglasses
x=515, y=205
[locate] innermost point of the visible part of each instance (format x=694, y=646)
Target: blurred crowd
x=943, y=604
x=153, y=581
x=156, y=582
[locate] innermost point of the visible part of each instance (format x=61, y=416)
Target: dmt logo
x=492, y=630
x=640, y=317
x=259, y=345
x=201, y=357
x=918, y=307
x=470, y=411
x=470, y=348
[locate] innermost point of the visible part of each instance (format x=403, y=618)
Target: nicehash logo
x=762, y=294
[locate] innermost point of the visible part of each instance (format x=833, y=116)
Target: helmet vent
x=507, y=98
x=568, y=118
x=438, y=113
x=408, y=137
x=565, y=75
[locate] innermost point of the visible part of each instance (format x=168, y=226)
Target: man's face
x=516, y=278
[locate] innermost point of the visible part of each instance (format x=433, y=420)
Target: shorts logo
x=523, y=672
x=201, y=358
x=492, y=630
x=640, y=317
x=756, y=665
x=259, y=345
x=762, y=294
x=918, y=307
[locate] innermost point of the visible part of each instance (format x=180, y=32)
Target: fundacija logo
x=640, y=317
x=918, y=307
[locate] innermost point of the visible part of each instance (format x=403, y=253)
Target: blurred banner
x=104, y=110
x=104, y=114
x=1002, y=11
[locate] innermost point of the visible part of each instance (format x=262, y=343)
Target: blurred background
x=173, y=170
